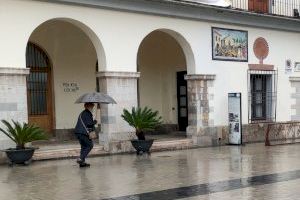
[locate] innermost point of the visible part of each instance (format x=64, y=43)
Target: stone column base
x=200, y=108
x=122, y=86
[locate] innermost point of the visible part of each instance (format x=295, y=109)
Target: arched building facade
x=145, y=57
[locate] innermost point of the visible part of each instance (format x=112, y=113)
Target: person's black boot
x=79, y=161
x=84, y=164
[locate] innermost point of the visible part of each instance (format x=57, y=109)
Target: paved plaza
x=228, y=172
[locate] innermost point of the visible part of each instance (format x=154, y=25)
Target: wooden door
x=39, y=90
x=260, y=6
x=182, y=101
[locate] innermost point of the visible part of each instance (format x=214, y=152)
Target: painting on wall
x=229, y=44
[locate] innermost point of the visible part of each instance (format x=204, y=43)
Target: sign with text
x=70, y=87
x=235, y=118
x=288, y=66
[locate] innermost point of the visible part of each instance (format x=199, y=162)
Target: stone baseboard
x=209, y=136
x=65, y=153
x=126, y=147
x=219, y=135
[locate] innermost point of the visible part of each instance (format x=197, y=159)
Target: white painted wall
x=121, y=34
x=159, y=58
x=73, y=60
x=232, y=76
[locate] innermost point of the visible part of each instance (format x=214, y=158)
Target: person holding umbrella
x=85, y=126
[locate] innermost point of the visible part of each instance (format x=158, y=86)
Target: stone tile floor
x=227, y=172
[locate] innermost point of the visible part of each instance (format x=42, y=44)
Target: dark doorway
x=182, y=101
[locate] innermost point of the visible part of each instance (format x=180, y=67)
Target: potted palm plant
x=21, y=134
x=142, y=119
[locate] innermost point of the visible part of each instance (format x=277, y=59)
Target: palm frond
x=22, y=133
x=142, y=119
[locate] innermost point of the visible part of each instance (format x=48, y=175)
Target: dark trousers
x=86, y=145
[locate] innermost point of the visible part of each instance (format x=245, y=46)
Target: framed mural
x=229, y=44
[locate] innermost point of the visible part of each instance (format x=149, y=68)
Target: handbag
x=92, y=134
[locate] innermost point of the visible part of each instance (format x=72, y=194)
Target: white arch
x=91, y=35
x=184, y=44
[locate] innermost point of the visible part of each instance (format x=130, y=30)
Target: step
x=172, y=145
x=64, y=153
x=72, y=150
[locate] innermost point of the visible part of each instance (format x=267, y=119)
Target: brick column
x=122, y=86
x=200, y=108
x=13, y=98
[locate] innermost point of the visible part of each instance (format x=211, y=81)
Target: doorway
x=261, y=6
x=159, y=59
x=182, y=101
x=39, y=88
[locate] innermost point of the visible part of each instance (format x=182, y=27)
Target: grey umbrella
x=96, y=97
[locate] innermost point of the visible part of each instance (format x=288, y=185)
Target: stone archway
x=73, y=49
x=164, y=59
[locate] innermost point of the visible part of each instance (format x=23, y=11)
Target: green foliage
x=22, y=133
x=142, y=119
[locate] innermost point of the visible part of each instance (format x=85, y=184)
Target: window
x=38, y=81
x=262, y=95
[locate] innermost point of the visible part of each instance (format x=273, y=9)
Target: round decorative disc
x=261, y=48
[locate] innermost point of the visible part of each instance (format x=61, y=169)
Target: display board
x=235, y=118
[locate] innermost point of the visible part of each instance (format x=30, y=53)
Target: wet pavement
x=250, y=172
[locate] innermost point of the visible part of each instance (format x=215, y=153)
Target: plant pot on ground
x=142, y=119
x=21, y=134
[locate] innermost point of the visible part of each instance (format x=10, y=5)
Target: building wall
x=159, y=58
x=12, y=85
x=121, y=34
x=232, y=76
x=73, y=59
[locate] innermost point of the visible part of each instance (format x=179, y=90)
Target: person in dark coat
x=82, y=135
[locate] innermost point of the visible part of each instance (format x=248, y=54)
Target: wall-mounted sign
x=235, y=118
x=261, y=49
x=288, y=66
x=229, y=45
x=297, y=66
x=70, y=87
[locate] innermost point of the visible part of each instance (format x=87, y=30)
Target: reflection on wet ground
x=221, y=186
x=250, y=172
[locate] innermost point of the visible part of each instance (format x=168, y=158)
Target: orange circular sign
x=261, y=48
